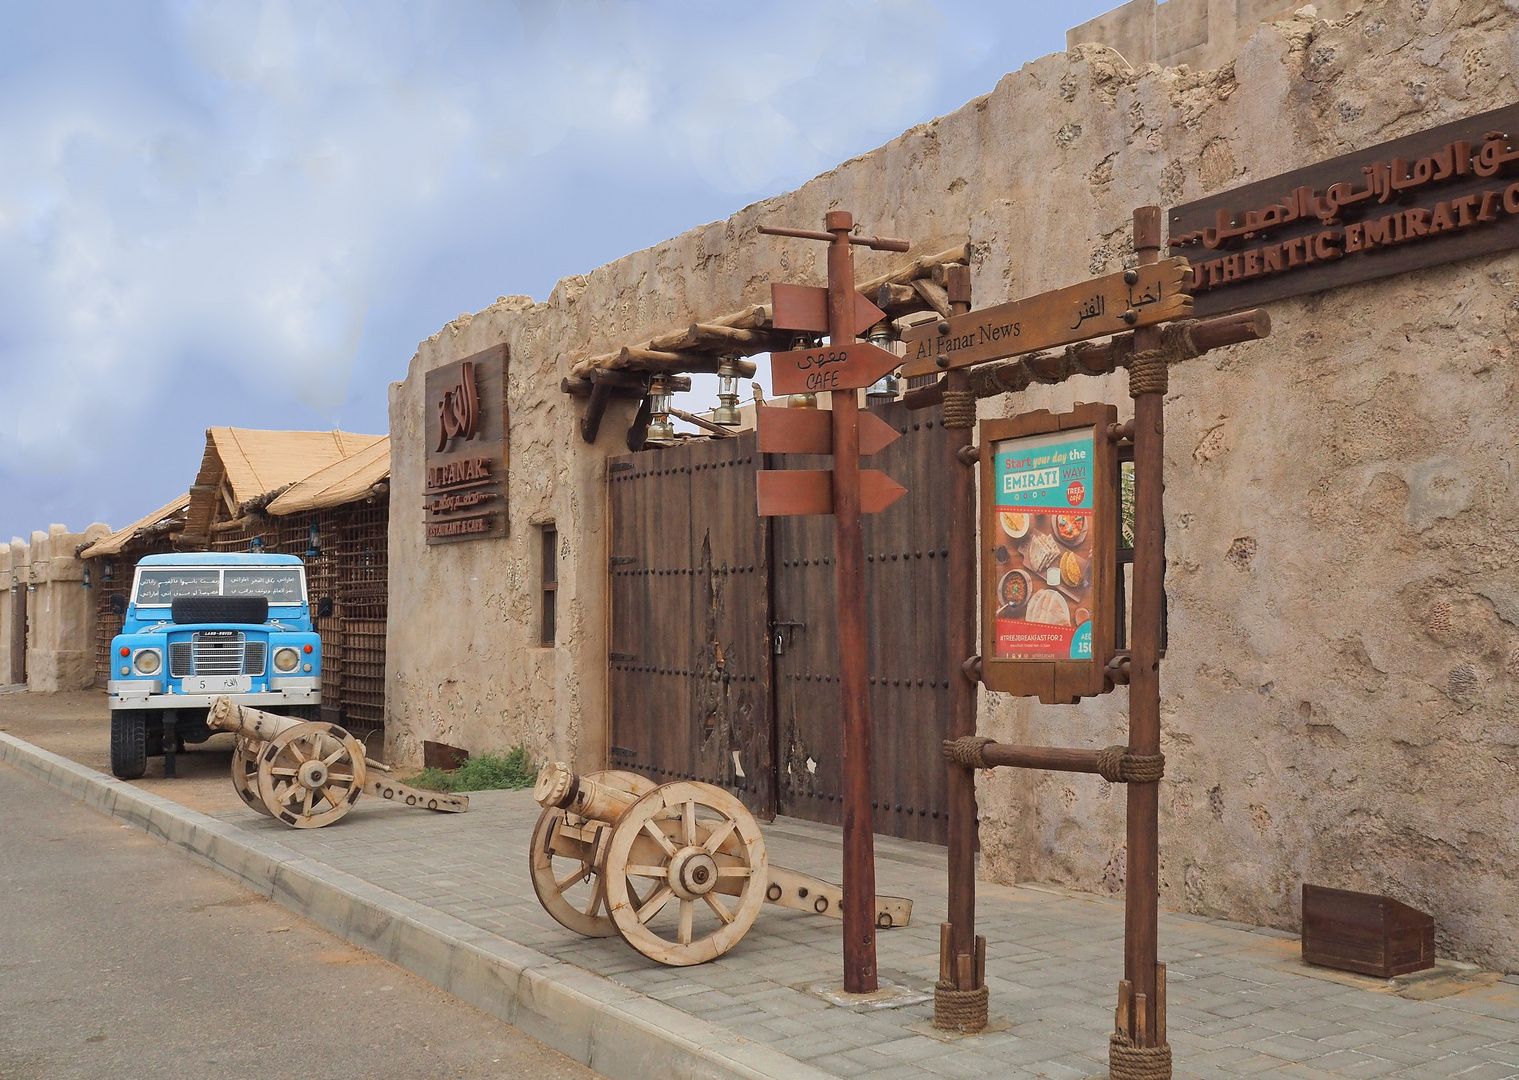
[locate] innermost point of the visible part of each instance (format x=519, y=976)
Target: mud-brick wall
x=1344, y=643
x=60, y=645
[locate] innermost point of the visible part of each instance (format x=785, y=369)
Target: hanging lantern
x=314, y=541
x=727, y=412
x=884, y=389
x=85, y=581
x=660, y=428
x=108, y=570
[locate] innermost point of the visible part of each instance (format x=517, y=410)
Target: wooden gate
x=712, y=606
x=689, y=676
x=906, y=590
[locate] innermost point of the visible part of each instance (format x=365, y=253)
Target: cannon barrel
x=255, y=724
x=227, y=715
x=559, y=787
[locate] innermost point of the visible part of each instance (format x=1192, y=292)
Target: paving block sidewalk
x=1241, y=1001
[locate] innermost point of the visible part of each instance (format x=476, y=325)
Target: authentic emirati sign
x=464, y=495
x=1448, y=193
x=1049, y=559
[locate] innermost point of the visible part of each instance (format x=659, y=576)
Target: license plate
x=218, y=684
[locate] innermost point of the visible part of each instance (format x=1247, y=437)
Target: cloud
x=224, y=193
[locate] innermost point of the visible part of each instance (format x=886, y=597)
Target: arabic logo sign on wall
x=458, y=408
x=465, y=493
x=1444, y=194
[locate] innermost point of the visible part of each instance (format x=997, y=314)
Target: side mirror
x=118, y=604
x=324, y=608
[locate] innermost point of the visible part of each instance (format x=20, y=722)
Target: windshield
x=161, y=586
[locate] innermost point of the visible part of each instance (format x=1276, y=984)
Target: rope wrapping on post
x=959, y=409
x=1129, y=1062
x=1117, y=766
x=960, y=1010
x=1148, y=367
x=966, y=751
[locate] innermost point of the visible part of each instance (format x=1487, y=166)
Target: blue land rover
x=199, y=626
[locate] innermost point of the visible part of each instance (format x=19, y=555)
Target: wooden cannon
x=307, y=773
x=679, y=869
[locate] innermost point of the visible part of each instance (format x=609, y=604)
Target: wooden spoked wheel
x=245, y=775
x=311, y=774
x=701, y=853
x=566, y=875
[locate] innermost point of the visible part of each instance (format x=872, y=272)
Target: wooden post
x=962, y=645
x=1141, y=893
x=854, y=691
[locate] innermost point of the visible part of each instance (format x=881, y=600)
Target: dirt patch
x=77, y=725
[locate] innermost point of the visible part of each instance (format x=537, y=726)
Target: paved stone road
x=1241, y=1002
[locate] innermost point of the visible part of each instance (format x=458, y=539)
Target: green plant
x=489, y=771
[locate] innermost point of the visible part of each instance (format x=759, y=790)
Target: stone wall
x=15, y=573
x=60, y=641
x=1199, y=33
x=1338, y=698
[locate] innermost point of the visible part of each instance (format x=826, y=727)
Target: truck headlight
x=147, y=661
x=286, y=659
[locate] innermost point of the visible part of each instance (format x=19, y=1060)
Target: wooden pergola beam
x=703, y=346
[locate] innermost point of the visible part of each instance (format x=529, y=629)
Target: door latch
x=782, y=632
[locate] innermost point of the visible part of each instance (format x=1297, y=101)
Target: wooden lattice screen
x=350, y=567
x=362, y=583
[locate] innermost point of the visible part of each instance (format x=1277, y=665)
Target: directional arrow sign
x=805, y=307
x=810, y=491
x=810, y=431
x=1095, y=308
x=830, y=367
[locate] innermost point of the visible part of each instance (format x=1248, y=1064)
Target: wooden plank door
x=911, y=673
x=690, y=580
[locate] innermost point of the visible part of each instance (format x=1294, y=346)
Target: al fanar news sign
x=464, y=495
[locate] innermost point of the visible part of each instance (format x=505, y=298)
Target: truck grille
x=217, y=652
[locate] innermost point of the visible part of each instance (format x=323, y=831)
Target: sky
x=249, y=212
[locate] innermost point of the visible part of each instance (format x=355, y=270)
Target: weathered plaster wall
x=1199, y=33
x=1344, y=645
x=60, y=643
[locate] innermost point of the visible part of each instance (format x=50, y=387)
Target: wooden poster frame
x=1054, y=682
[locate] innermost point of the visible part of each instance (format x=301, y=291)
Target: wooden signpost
x=1069, y=559
x=842, y=367
x=1016, y=458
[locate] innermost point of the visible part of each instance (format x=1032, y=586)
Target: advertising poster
x=1042, y=545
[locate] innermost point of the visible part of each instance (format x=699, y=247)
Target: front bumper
x=147, y=694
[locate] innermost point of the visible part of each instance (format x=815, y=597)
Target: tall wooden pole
x=961, y=477
x=1141, y=894
x=849, y=557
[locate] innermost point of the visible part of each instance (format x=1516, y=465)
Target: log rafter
x=702, y=347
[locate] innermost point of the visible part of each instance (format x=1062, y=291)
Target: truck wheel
x=129, y=744
x=304, y=712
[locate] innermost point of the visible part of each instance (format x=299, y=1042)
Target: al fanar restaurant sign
x=464, y=497
x=1444, y=194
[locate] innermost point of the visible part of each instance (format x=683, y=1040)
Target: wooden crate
x=1365, y=933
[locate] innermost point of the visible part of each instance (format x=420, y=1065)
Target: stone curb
x=618, y=1032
